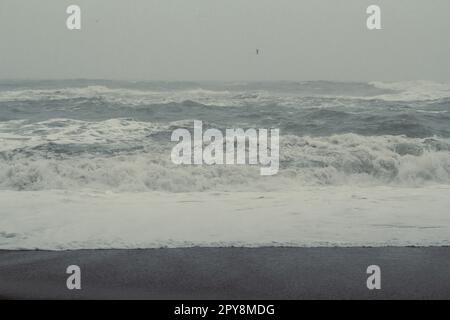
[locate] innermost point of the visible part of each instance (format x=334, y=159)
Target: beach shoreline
x=306, y=217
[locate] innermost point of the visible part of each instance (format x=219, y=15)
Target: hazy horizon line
x=218, y=81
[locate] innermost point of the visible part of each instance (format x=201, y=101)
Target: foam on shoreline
x=309, y=216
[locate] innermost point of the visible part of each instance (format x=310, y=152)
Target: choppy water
x=114, y=135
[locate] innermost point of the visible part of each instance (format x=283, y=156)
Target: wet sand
x=228, y=273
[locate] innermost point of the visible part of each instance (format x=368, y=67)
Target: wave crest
x=332, y=160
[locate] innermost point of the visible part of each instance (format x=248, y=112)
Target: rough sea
x=115, y=135
x=87, y=164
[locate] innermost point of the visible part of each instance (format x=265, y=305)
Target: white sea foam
x=121, y=155
x=19, y=134
x=71, y=184
x=351, y=158
x=312, y=216
x=397, y=91
x=413, y=90
x=130, y=97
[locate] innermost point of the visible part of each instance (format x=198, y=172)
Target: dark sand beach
x=228, y=273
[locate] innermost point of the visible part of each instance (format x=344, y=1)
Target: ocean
x=86, y=164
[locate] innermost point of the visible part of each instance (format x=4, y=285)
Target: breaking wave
x=413, y=90
x=116, y=136
x=331, y=160
x=282, y=94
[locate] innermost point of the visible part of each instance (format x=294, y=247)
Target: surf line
x=237, y=146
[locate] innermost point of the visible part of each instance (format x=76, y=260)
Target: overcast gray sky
x=216, y=40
